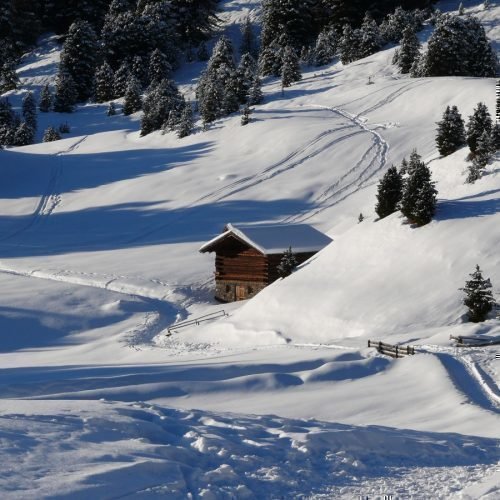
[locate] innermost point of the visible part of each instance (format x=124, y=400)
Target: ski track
x=51, y=198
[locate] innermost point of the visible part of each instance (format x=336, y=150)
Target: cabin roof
x=271, y=239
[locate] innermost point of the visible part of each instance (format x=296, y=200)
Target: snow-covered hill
x=99, y=239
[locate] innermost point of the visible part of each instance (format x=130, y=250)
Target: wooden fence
x=463, y=341
x=394, y=351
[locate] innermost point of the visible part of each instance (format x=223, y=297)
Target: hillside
x=99, y=240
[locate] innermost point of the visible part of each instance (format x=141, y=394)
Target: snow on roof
x=274, y=238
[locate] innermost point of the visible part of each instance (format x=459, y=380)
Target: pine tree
x=270, y=60
x=418, y=202
x=255, y=94
x=24, y=135
x=230, y=100
x=290, y=71
x=79, y=56
x=245, y=115
x=104, y=80
x=389, y=193
x=307, y=56
x=121, y=80
x=450, y=132
x=326, y=47
x=370, y=41
x=46, y=99
x=186, y=122
x=66, y=94
x=478, y=296
x=287, y=264
x=484, y=150
x=210, y=105
x=133, y=101
x=409, y=50
x=474, y=173
x=29, y=111
x=349, y=45
x=246, y=72
x=140, y=70
x=51, y=134
x=495, y=137
x=248, y=43
x=8, y=77
x=479, y=122
x=159, y=67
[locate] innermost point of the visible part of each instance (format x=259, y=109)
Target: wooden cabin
x=247, y=256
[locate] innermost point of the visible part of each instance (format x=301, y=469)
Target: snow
x=274, y=238
x=99, y=239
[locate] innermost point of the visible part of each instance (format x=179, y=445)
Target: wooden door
x=241, y=292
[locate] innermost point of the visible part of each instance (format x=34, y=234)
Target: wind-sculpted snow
x=142, y=450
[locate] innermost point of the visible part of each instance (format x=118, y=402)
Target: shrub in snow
x=389, y=193
x=478, y=296
x=287, y=264
x=450, y=132
x=418, y=202
x=51, y=134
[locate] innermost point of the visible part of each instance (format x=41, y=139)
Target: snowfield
x=282, y=398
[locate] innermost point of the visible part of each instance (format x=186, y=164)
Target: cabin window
x=249, y=290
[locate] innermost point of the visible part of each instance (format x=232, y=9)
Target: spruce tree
x=418, y=202
x=389, y=193
x=370, y=39
x=245, y=115
x=66, y=94
x=495, y=137
x=409, y=50
x=326, y=47
x=479, y=122
x=349, y=45
x=290, y=71
x=104, y=80
x=79, y=57
x=231, y=99
x=210, y=105
x=8, y=77
x=287, y=264
x=121, y=80
x=139, y=70
x=51, y=134
x=29, y=111
x=478, y=296
x=132, y=102
x=474, y=173
x=255, y=94
x=24, y=135
x=246, y=72
x=248, y=42
x=186, y=122
x=159, y=67
x=484, y=150
x=270, y=60
x=450, y=132
x=46, y=99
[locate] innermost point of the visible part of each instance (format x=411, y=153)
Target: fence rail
x=463, y=341
x=196, y=321
x=394, y=351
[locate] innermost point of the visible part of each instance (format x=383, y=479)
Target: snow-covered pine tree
x=392, y=27
x=230, y=100
x=79, y=58
x=484, y=150
x=495, y=137
x=474, y=173
x=29, y=111
x=479, y=122
x=248, y=42
x=186, y=122
x=326, y=47
x=51, y=134
x=24, y=135
x=210, y=105
x=104, y=83
x=255, y=95
x=307, y=56
x=66, y=94
x=159, y=67
x=8, y=77
x=287, y=264
x=418, y=202
x=158, y=104
x=121, y=80
x=409, y=50
x=370, y=38
x=389, y=192
x=46, y=99
x=450, y=132
x=478, y=296
x=139, y=70
x=290, y=70
x=349, y=45
x=133, y=101
x=246, y=71
x=8, y=122
x=270, y=60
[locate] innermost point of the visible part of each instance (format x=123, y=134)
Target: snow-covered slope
x=99, y=239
